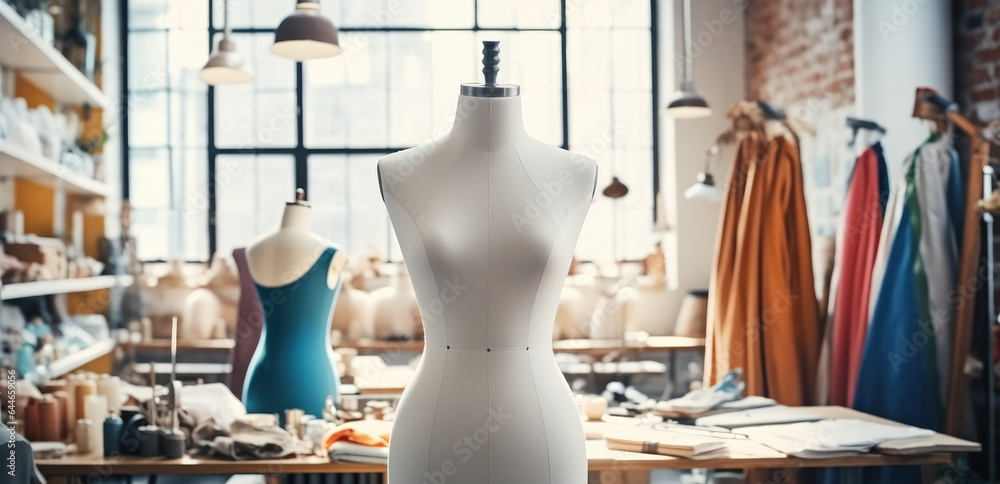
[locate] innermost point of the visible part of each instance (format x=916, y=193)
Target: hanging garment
x=890, y=224
x=718, y=357
x=764, y=317
x=862, y=225
x=898, y=375
x=939, y=250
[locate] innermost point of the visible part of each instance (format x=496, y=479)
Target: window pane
x=345, y=99
x=147, y=61
x=535, y=14
x=251, y=192
x=369, y=222
x=611, y=120
x=149, y=170
x=327, y=192
x=250, y=13
x=261, y=113
x=376, y=14
x=147, y=119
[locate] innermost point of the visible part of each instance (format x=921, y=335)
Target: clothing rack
x=858, y=124
x=932, y=106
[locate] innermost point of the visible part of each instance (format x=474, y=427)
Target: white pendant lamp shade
x=705, y=189
x=686, y=103
x=226, y=66
x=306, y=35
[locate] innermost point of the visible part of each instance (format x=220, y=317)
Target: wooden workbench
x=600, y=458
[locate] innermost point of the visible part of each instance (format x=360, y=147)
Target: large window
x=209, y=169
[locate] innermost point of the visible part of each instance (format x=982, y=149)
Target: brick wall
x=799, y=50
x=977, y=57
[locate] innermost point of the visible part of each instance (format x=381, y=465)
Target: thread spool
x=149, y=444
x=31, y=420
x=109, y=386
x=82, y=435
x=84, y=389
x=71, y=384
x=172, y=444
x=112, y=435
x=292, y=418
x=49, y=421
x=131, y=440
x=96, y=412
x=62, y=400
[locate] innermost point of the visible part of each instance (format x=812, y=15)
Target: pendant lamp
x=306, y=34
x=686, y=103
x=705, y=189
x=226, y=66
x=616, y=189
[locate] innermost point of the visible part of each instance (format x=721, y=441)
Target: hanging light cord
x=688, y=51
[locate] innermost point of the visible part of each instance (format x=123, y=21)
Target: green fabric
x=920, y=271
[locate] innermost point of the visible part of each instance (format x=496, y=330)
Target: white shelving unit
x=16, y=162
x=73, y=361
x=41, y=64
x=62, y=286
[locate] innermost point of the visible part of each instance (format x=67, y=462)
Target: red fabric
x=863, y=224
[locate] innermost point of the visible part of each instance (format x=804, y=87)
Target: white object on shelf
x=17, y=162
x=75, y=360
x=42, y=65
x=61, y=286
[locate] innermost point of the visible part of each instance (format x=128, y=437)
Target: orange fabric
x=764, y=313
x=373, y=433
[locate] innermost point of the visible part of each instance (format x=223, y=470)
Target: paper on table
x=831, y=437
x=686, y=445
x=666, y=409
x=779, y=414
x=662, y=442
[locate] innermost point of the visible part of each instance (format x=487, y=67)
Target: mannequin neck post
x=296, y=217
x=487, y=123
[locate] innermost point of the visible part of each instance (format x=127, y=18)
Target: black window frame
x=301, y=153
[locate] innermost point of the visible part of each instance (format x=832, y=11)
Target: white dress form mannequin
x=487, y=219
x=283, y=256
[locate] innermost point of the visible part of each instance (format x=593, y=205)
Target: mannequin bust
x=487, y=219
x=282, y=256
x=296, y=274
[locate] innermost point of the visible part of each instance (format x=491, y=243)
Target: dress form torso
x=487, y=219
x=296, y=275
x=286, y=254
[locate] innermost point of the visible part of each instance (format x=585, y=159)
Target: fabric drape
x=763, y=309
x=861, y=227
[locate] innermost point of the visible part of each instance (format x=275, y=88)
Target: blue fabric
x=883, y=176
x=898, y=374
x=293, y=366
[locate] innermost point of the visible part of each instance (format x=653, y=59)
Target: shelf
x=223, y=345
x=42, y=65
x=71, y=362
x=16, y=162
x=62, y=286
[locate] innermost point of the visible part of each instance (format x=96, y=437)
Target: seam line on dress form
x=490, y=348
x=489, y=253
x=525, y=169
x=437, y=403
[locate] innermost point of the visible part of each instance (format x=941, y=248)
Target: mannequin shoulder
x=415, y=166
x=546, y=162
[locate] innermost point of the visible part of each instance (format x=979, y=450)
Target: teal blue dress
x=293, y=366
